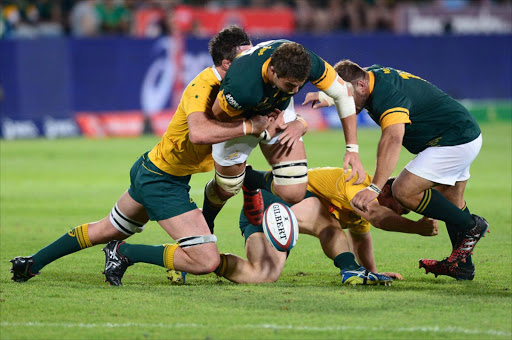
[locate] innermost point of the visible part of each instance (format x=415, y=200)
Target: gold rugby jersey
x=329, y=185
x=175, y=154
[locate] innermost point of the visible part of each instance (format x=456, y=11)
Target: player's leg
x=465, y=270
x=230, y=157
x=264, y=263
x=315, y=220
x=441, y=165
x=126, y=218
x=289, y=166
x=166, y=199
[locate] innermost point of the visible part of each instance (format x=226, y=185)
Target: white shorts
x=445, y=164
x=237, y=150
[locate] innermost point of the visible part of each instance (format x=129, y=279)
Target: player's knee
x=229, y=185
x=203, y=252
x=401, y=194
x=291, y=193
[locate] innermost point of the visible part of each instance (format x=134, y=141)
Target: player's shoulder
x=206, y=80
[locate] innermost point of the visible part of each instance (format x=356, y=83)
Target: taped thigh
x=124, y=224
x=231, y=184
x=290, y=172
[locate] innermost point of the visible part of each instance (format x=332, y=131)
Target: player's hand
x=427, y=226
x=291, y=134
x=314, y=99
x=395, y=276
x=276, y=121
x=352, y=159
x=363, y=198
x=260, y=124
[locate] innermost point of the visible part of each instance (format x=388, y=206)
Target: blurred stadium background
x=117, y=67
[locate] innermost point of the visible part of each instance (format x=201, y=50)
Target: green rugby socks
x=435, y=205
x=346, y=260
x=74, y=240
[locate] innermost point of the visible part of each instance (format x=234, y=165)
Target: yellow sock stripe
x=169, y=251
x=223, y=266
x=85, y=231
x=425, y=201
x=80, y=237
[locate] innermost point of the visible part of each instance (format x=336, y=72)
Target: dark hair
x=349, y=71
x=291, y=61
x=224, y=45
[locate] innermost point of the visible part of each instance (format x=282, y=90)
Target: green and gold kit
x=176, y=154
x=431, y=117
x=246, y=88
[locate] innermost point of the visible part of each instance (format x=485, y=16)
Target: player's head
x=289, y=67
x=386, y=198
x=358, y=78
x=227, y=44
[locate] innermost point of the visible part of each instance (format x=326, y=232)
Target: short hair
x=224, y=45
x=291, y=61
x=349, y=71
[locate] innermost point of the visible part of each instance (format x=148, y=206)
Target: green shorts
x=162, y=194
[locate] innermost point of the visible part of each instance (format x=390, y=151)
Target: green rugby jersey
x=245, y=88
x=431, y=117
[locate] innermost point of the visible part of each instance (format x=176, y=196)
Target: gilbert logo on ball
x=280, y=227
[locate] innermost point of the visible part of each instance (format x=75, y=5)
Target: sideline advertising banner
x=124, y=86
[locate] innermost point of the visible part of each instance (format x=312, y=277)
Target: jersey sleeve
x=322, y=74
x=394, y=109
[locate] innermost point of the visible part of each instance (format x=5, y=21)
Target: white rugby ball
x=280, y=227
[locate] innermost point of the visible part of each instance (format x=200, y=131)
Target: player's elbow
x=198, y=137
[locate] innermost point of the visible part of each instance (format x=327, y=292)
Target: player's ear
x=225, y=64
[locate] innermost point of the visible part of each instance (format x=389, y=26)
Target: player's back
x=436, y=118
x=176, y=154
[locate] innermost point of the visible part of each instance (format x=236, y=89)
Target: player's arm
x=342, y=97
x=384, y=218
x=388, y=152
x=203, y=129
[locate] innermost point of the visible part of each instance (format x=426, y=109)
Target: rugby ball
x=280, y=227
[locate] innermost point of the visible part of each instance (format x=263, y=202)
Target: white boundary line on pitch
x=458, y=330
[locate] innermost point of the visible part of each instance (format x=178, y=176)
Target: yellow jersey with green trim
x=246, y=89
x=431, y=117
x=175, y=153
x=328, y=184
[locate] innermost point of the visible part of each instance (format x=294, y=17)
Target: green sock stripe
x=424, y=202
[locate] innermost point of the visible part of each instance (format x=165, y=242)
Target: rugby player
x=446, y=138
x=159, y=187
x=325, y=211
x=263, y=81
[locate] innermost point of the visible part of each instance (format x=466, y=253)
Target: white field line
x=454, y=330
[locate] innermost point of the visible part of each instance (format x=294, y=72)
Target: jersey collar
x=217, y=74
x=372, y=81
x=264, y=69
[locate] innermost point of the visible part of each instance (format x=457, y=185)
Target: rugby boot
x=115, y=263
x=253, y=205
x=458, y=272
x=21, y=268
x=466, y=240
x=363, y=276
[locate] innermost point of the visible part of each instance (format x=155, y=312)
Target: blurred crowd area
x=89, y=18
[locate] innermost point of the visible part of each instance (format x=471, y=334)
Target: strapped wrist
x=374, y=188
x=353, y=148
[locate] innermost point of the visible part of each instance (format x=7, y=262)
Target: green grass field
x=50, y=186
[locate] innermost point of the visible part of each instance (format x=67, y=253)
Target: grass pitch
x=49, y=187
